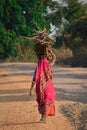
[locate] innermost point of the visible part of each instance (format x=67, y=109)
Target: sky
x=84, y=1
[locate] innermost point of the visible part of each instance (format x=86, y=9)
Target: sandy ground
x=18, y=111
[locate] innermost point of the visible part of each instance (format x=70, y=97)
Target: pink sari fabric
x=44, y=87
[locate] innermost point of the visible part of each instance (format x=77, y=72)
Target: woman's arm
x=53, y=58
x=32, y=84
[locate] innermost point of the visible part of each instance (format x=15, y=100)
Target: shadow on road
x=16, y=95
x=71, y=95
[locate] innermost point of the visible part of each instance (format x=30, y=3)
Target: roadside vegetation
x=19, y=19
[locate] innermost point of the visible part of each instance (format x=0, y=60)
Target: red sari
x=44, y=87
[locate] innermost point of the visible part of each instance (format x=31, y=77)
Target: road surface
x=18, y=111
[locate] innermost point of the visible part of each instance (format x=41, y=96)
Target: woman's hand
x=32, y=86
x=30, y=92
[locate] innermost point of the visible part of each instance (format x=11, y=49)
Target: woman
x=43, y=76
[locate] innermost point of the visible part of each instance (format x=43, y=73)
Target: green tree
x=76, y=36
x=64, y=16
x=20, y=18
x=71, y=12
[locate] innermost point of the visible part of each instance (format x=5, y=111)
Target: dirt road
x=18, y=111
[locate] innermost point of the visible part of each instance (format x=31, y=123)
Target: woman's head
x=40, y=49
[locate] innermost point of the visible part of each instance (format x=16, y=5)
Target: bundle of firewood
x=42, y=44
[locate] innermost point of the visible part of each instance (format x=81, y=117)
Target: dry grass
x=65, y=57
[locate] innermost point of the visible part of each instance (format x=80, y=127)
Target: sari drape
x=44, y=87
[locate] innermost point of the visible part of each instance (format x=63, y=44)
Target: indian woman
x=42, y=79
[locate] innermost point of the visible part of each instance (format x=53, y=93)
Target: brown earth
x=18, y=111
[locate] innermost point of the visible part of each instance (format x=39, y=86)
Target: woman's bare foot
x=43, y=118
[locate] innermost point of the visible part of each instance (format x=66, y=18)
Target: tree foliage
x=19, y=18
x=22, y=18
x=73, y=10
x=73, y=19
x=76, y=35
